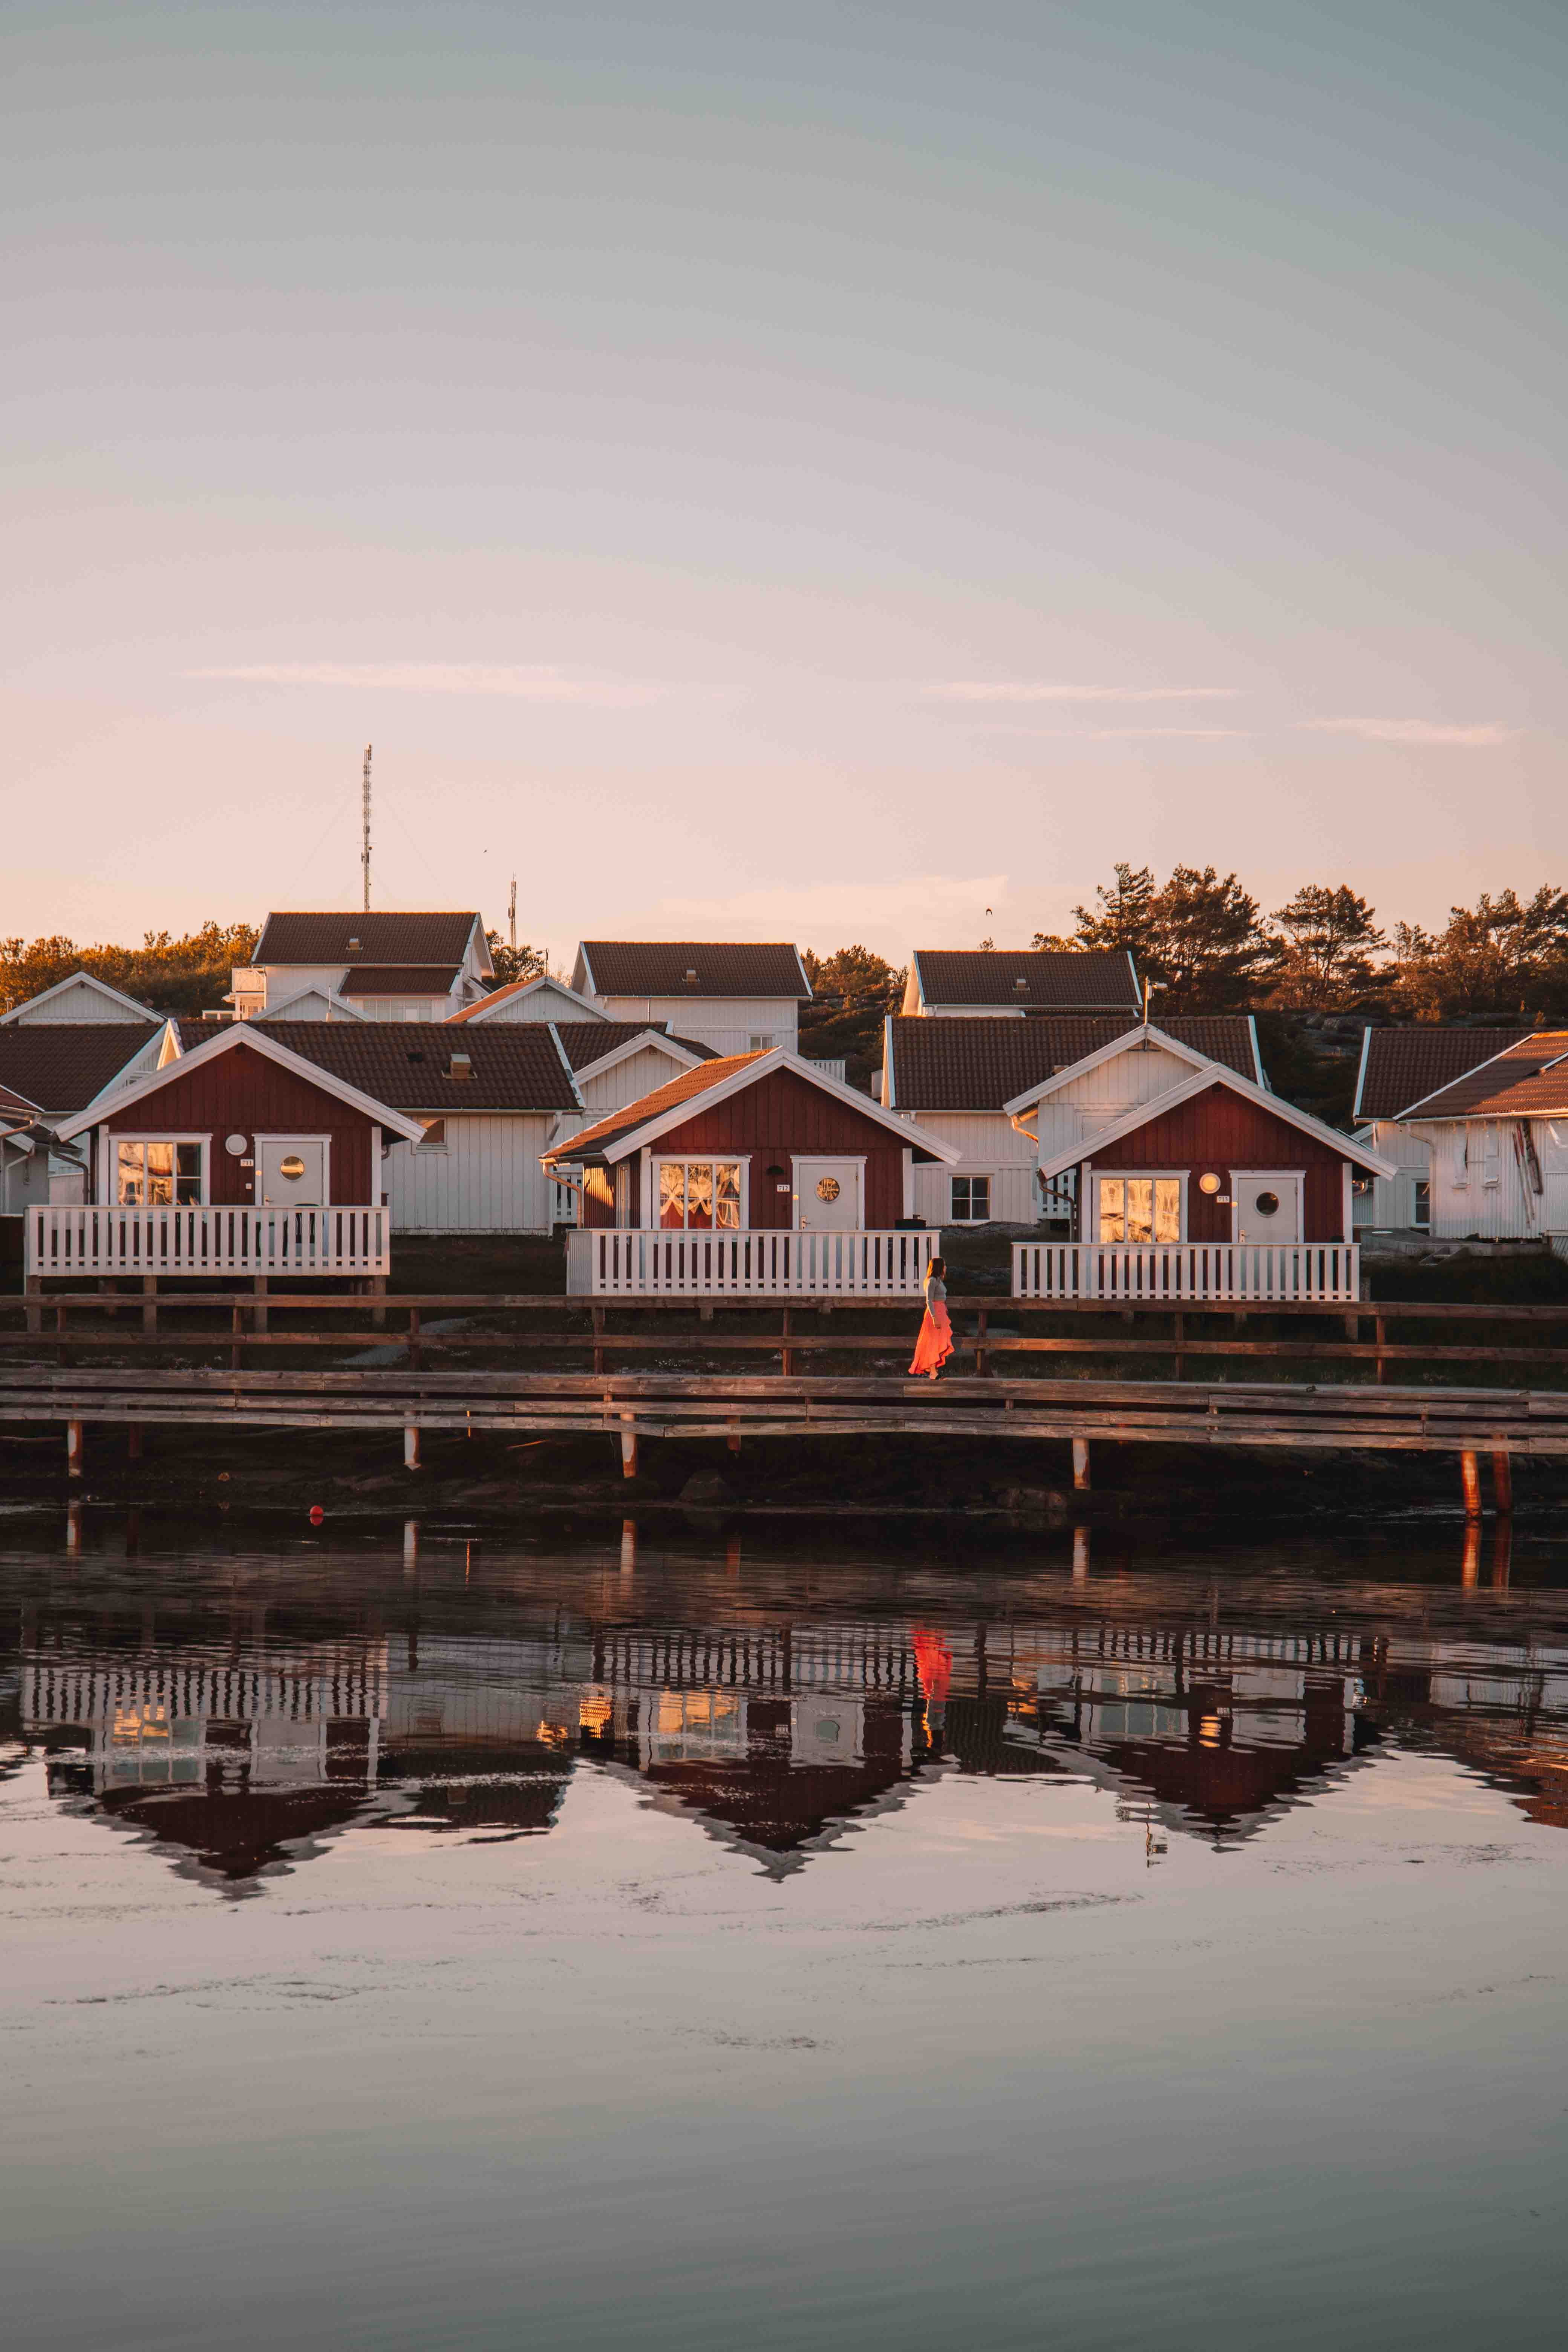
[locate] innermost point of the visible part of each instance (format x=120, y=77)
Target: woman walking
x=934, y=1345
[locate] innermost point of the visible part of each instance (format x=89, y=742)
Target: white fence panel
x=64, y=1240
x=604, y=1262
x=1151, y=1275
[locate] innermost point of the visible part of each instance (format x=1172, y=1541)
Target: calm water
x=418, y=1940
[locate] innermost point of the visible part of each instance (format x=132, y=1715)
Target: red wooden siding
x=242, y=1093
x=783, y=1115
x=598, y=1196
x=1223, y=1131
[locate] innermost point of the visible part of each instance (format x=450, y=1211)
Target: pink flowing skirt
x=934, y=1345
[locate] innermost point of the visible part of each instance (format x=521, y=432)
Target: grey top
x=935, y=1288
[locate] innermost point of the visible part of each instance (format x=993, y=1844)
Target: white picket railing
x=64, y=1240
x=604, y=1262
x=1152, y=1273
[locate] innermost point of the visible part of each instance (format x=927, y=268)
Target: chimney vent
x=691, y=979
x=353, y=947
x=1022, y=986
x=462, y=1066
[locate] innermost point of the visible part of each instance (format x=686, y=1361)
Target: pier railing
x=1149, y=1274
x=67, y=1242
x=614, y=1262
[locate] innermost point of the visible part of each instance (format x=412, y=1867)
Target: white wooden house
x=82, y=997
x=543, y=998
x=976, y=1082
x=736, y=997
x=388, y=966
x=1498, y=1139
x=958, y=983
x=1399, y=1068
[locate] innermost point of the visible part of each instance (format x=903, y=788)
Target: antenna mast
x=511, y=915
x=364, y=852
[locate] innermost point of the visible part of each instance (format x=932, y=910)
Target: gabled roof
x=64, y=1065
x=313, y=988
x=378, y=938
x=1400, y=1067
x=73, y=984
x=399, y=980
x=1527, y=1080
x=1130, y=1040
x=1062, y=979
x=249, y=1036
x=588, y=1044
x=16, y=1106
x=487, y=1005
x=621, y=1132
x=1095, y=1147
x=724, y=968
x=985, y=1062
x=514, y=1066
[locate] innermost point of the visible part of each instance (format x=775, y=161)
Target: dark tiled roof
x=382, y=939
x=16, y=1106
x=1066, y=978
x=407, y=1064
x=1530, y=1078
x=592, y=1142
x=590, y=1041
x=724, y=968
x=1405, y=1065
x=981, y=1062
x=399, y=980
x=62, y=1065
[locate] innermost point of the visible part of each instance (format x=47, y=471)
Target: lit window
x=701, y=1195
x=158, y=1175
x=1138, y=1209
x=1421, y=1204
x=971, y=1200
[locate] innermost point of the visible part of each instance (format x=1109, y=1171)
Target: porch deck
x=64, y=1243
x=1146, y=1274
x=607, y=1262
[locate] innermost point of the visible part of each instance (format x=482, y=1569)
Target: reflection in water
x=458, y=1690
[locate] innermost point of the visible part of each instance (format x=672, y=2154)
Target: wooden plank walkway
x=629, y=1405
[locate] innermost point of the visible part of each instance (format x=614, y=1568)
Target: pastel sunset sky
x=816, y=473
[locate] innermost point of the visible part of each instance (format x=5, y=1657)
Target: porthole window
x=827, y=1189
x=1267, y=1204
x=292, y=1167
x=1209, y=1184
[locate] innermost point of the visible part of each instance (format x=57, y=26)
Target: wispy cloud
x=523, y=684
x=1412, y=731
x=1129, y=734
x=1024, y=690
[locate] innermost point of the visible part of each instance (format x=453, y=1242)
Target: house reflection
x=775, y=1740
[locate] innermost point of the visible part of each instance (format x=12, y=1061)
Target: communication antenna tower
x=364, y=852
x=511, y=915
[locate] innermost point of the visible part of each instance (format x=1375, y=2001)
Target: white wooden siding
x=76, y=1002
x=1479, y=1185
x=627, y=1081
x=727, y=1023
x=1390, y=1207
x=1083, y=1106
x=547, y=1004
x=991, y=1147
x=487, y=1181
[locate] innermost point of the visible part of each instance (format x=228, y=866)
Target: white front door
x=827, y=1195
x=1267, y=1206
x=291, y=1174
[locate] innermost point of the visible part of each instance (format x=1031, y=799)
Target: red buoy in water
x=317, y=1515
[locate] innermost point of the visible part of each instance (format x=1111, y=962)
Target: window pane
x=1167, y=1208
x=730, y=1195
x=699, y=1195
x=672, y=1194
x=980, y=1197
x=1139, y=1208
x=1112, y=1209
x=160, y=1160
x=188, y=1192
x=130, y=1162
x=187, y=1160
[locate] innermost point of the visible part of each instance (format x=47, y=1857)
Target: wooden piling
x=1080, y=1463
x=411, y=1446
x=1470, y=1478
x=1081, y=1555
x=133, y=1441
x=1470, y=1563
x=73, y=1449
x=150, y=1305
x=1503, y=1480
x=34, y=1290
x=628, y=1447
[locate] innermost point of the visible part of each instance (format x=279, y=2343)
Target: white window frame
x=659, y=1160
x=1098, y=1175
x=445, y=1144
x=294, y=1136
x=109, y=1163
x=1418, y=1224
x=986, y=1176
